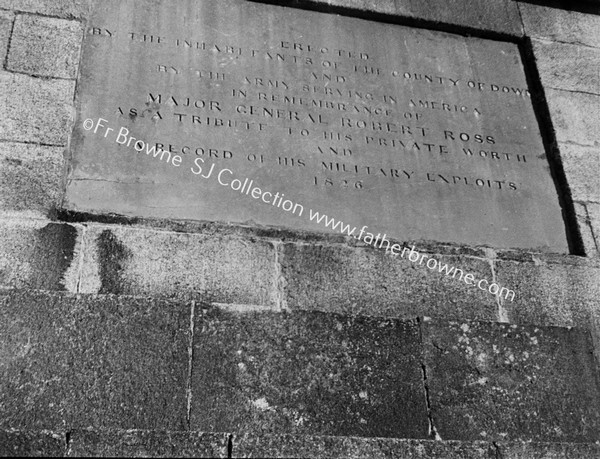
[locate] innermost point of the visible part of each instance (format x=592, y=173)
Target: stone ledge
x=242, y=269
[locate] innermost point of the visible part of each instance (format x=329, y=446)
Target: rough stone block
x=30, y=177
x=308, y=374
x=575, y=116
x=14, y=443
x=36, y=110
x=61, y=8
x=581, y=165
x=147, y=443
x=593, y=210
x=365, y=281
x=6, y=24
x=557, y=24
x=560, y=294
x=35, y=253
x=44, y=46
x=220, y=269
x=529, y=450
x=497, y=382
x=74, y=362
x=591, y=244
x=567, y=66
x=292, y=446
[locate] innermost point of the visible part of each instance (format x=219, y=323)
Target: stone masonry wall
x=203, y=336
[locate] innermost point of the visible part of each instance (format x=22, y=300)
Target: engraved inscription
x=429, y=135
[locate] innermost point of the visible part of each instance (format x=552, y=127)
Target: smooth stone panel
x=273, y=113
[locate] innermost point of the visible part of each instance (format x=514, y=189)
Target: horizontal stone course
x=293, y=446
x=366, y=281
x=108, y=362
x=138, y=261
x=47, y=47
x=147, y=443
x=162, y=443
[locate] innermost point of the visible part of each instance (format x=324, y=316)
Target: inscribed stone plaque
x=269, y=114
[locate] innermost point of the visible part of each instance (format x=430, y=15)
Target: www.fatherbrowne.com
x=413, y=255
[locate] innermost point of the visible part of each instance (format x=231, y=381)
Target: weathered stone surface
x=6, y=24
x=506, y=382
x=30, y=177
x=307, y=373
x=431, y=139
x=147, y=443
x=560, y=294
x=365, y=281
x=567, y=66
x=35, y=110
x=575, y=116
x=137, y=261
x=32, y=443
x=529, y=450
x=581, y=165
x=60, y=8
x=45, y=46
x=560, y=25
x=584, y=221
x=35, y=253
x=498, y=15
x=72, y=362
x=593, y=209
x=293, y=446
x=374, y=6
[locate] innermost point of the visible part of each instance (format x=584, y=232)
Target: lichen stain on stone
x=113, y=255
x=53, y=254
